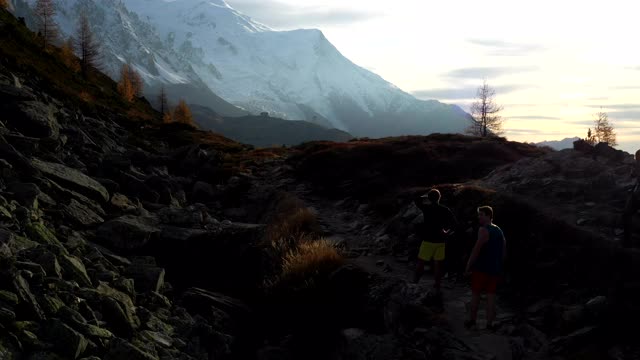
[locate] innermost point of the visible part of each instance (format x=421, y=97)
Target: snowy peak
x=296, y=75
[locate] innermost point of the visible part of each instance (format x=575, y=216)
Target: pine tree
x=87, y=46
x=182, y=113
x=45, y=11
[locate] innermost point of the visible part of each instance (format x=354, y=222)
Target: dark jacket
x=437, y=217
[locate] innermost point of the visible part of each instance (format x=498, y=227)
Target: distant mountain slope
x=202, y=49
x=264, y=130
x=566, y=143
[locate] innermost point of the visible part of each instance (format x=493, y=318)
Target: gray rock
x=146, y=278
x=65, y=339
x=6, y=316
x=33, y=118
x=122, y=349
x=74, y=269
x=8, y=297
x=81, y=214
x=40, y=233
x=128, y=232
x=186, y=217
x=25, y=296
x=74, y=178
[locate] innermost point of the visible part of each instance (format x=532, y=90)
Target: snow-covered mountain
x=566, y=143
x=215, y=49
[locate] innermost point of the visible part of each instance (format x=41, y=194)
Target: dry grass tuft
x=309, y=261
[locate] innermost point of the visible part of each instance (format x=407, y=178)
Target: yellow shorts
x=430, y=250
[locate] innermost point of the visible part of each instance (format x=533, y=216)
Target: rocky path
x=349, y=224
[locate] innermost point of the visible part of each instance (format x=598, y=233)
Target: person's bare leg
x=491, y=309
x=437, y=274
x=473, y=314
x=417, y=274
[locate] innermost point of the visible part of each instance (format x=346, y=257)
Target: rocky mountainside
x=122, y=238
x=202, y=48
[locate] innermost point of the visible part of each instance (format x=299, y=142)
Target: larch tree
x=486, y=113
x=45, y=11
x=68, y=56
x=130, y=83
x=86, y=45
x=603, y=130
x=182, y=113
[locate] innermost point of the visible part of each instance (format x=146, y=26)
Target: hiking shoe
x=469, y=324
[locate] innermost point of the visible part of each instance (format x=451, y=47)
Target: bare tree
x=163, y=101
x=45, y=12
x=603, y=130
x=88, y=48
x=485, y=113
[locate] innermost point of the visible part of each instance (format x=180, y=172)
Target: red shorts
x=484, y=282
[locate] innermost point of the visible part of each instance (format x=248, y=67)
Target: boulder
x=66, y=340
x=73, y=178
x=128, y=232
x=33, y=118
x=81, y=214
x=74, y=269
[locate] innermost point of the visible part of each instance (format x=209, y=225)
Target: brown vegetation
x=182, y=114
x=68, y=57
x=4, y=4
x=371, y=169
x=130, y=83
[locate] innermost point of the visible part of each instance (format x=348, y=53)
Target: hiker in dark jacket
x=485, y=265
x=633, y=204
x=438, y=224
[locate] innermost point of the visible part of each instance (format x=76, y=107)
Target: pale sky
x=553, y=64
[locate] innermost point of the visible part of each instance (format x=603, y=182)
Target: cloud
x=463, y=93
x=503, y=48
x=534, y=117
x=282, y=15
x=617, y=106
x=626, y=114
x=488, y=72
x=448, y=93
x=625, y=87
x=533, y=132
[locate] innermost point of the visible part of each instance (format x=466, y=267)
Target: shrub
x=309, y=262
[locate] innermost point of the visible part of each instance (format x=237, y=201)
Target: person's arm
x=483, y=237
x=419, y=201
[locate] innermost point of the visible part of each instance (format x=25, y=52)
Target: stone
x=25, y=297
x=74, y=269
x=184, y=217
x=74, y=178
x=146, y=278
x=8, y=297
x=65, y=339
x=122, y=349
x=81, y=214
x=33, y=118
x=128, y=232
x=40, y=233
x=7, y=316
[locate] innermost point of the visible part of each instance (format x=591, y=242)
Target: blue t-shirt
x=490, y=258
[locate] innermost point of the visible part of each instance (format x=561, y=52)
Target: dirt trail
x=357, y=231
